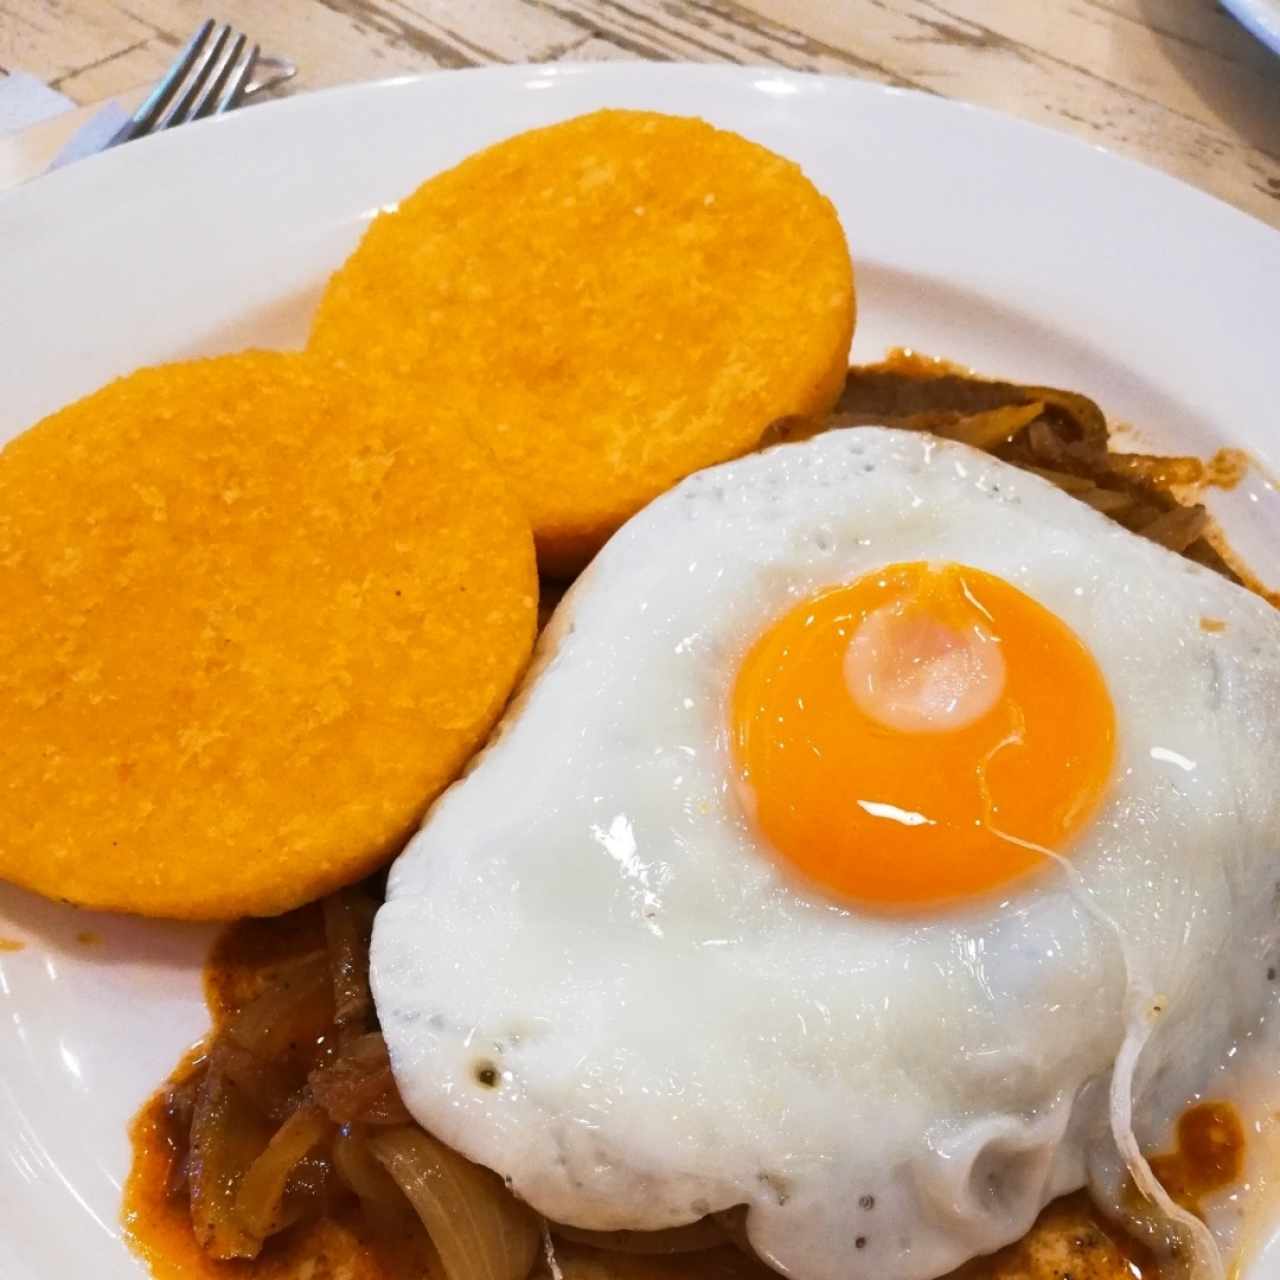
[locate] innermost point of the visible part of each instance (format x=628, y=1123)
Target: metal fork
x=212, y=74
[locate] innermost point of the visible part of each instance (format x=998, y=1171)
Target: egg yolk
x=920, y=735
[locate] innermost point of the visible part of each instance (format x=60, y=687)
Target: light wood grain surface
x=1176, y=83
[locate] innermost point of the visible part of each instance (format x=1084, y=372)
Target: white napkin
x=93, y=135
x=26, y=101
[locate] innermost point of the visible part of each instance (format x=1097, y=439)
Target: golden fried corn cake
x=611, y=303
x=1069, y=1241
x=252, y=625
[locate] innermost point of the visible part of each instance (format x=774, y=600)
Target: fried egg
x=881, y=842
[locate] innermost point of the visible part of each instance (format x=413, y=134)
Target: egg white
x=679, y=1025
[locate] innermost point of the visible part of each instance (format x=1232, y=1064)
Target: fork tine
x=179, y=110
x=238, y=82
x=144, y=118
x=213, y=90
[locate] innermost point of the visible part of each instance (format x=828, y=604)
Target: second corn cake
x=611, y=303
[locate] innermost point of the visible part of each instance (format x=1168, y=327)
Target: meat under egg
x=879, y=841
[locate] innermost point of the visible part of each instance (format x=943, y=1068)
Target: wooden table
x=1176, y=83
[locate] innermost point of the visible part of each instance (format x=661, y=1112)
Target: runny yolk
x=920, y=735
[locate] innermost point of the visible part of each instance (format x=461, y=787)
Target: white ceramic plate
x=1262, y=17
x=1019, y=251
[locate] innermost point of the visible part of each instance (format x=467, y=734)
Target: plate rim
x=802, y=81
x=1260, y=18
x=983, y=120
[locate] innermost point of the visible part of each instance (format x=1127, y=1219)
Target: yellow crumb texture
x=612, y=303
x=252, y=625
x=1070, y=1241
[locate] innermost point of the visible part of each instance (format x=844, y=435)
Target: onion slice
x=270, y=1084
x=363, y=1174
x=357, y=1086
x=382, y=1204
x=348, y=921
x=480, y=1230
x=706, y=1233
x=227, y=1136
x=992, y=427
x=292, y=1012
x=580, y=1262
x=1177, y=529
x=259, y=1203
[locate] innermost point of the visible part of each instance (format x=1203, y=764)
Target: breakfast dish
x=538, y=961
x=870, y=876
x=618, y=300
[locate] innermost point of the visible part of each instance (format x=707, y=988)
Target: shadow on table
x=1231, y=71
